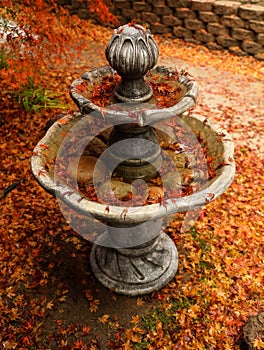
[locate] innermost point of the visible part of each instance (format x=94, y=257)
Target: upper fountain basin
x=173, y=94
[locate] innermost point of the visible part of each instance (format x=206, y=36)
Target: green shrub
x=3, y=59
x=34, y=99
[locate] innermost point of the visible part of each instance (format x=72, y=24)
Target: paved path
x=234, y=101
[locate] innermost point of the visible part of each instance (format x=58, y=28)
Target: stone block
x=129, y=13
x=76, y=4
x=185, y=12
x=203, y=36
x=122, y=4
x=70, y=9
x=227, y=41
x=212, y=45
x=141, y=6
x=193, y=41
x=202, y=5
x=251, y=12
x=226, y=7
x=233, y=21
x=194, y=24
x=242, y=34
x=162, y=10
x=260, y=56
x=217, y=29
x=252, y=47
x=159, y=28
x=171, y=21
x=122, y=21
x=181, y=32
x=208, y=17
x=149, y=17
x=257, y=26
x=179, y=3
x=237, y=51
x=83, y=14
x=260, y=38
x=158, y=2
x=116, y=12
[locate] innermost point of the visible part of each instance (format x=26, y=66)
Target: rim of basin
x=148, y=117
x=138, y=214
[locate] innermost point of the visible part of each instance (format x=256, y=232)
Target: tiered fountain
x=126, y=161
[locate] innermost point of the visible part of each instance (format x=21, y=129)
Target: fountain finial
x=132, y=52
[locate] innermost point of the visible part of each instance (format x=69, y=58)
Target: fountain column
x=132, y=52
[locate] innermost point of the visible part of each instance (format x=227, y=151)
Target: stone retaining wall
x=229, y=25
x=216, y=24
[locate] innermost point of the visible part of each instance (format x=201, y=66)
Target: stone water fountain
x=118, y=169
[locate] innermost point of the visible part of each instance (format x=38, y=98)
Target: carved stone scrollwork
x=136, y=271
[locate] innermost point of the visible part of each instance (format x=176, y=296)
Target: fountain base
x=135, y=271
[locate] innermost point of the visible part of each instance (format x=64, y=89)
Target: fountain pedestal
x=138, y=270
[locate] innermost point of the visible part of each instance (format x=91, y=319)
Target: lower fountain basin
x=215, y=142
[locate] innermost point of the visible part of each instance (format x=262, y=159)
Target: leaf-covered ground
x=49, y=299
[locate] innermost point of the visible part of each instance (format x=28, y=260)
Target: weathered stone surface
x=135, y=271
x=260, y=56
x=260, y=38
x=85, y=171
x=257, y=26
x=178, y=3
x=95, y=147
x=242, y=34
x=162, y=10
x=129, y=13
x=121, y=20
x=171, y=20
x=251, y=12
x=149, y=17
x=208, y=17
x=159, y=28
x=120, y=189
x=193, y=41
x=83, y=14
x=237, y=51
x=226, y=7
x=158, y=2
x=141, y=6
x=154, y=193
x=213, y=46
x=77, y=4
x=202, y=5
x=185, y=12
x=121, y=4
x=252, y=47
x=182, y=32
x=194, y=24
x=217, y=29
x=179, y=159
x=233, y=21
x=117, y=12
x=204, y=36
x=253, y=329
x=226, y=41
